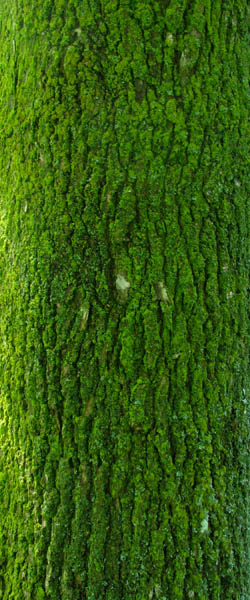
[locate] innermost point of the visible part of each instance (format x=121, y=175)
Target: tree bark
x=123, y=292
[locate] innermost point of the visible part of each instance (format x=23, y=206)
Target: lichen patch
x=161, y=291
x=204, y=524
x=122, y=284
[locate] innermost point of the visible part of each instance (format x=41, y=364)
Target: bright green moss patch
x=123, y=294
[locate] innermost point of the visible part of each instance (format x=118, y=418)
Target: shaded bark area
x=123, y=294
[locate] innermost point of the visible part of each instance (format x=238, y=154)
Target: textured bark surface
x=123, y=291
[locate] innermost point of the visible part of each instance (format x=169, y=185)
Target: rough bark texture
x=123, y=299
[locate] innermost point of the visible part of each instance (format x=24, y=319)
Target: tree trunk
x=123, y=299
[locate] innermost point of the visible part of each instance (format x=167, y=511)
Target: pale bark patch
x=85, y=314
x=122, y=284
x=155, y=592
x=169, y=38
x=161, y=291
x=204, y=524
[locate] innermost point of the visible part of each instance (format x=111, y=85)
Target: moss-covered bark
x=123, y=298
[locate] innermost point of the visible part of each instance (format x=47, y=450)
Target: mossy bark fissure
x=124, y=325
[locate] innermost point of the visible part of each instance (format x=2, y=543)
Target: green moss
x=123, y=236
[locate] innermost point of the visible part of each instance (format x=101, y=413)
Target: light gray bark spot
x=122, y=284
